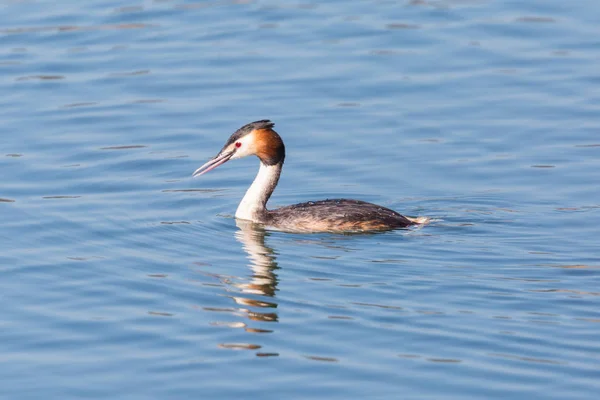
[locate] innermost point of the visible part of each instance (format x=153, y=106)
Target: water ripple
x=120, y=269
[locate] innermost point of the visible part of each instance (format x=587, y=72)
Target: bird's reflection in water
x=263, y=281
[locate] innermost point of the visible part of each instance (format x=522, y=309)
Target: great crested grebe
x=335, y=215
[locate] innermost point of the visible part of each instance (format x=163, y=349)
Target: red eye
x=238, y=144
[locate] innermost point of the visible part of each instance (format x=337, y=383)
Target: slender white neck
x=253, y=206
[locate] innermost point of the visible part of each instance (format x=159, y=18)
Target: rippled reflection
x=263, y=280
x=254, y=295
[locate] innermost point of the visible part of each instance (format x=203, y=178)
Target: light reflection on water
x=120, y=271
x=262, y=283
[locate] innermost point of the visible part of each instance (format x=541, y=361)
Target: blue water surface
x=123, y=277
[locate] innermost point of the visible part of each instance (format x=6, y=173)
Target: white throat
x=253, y=206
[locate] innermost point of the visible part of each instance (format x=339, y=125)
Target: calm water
x=121, y=277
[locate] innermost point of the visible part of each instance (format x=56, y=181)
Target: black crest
x=246, y=129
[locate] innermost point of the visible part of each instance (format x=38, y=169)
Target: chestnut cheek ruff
x=270, y=148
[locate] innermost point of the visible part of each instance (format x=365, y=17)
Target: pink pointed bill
x=212, y=164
